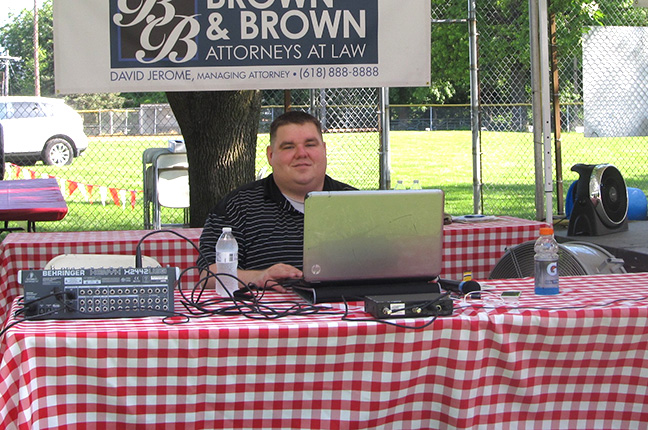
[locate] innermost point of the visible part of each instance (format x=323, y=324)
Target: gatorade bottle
x=546, y=263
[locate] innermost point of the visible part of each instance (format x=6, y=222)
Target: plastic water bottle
x=546, y=263
x=416, y=185
x=227, y=262
x=400, y=185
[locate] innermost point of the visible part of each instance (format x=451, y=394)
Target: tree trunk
x=220, y=133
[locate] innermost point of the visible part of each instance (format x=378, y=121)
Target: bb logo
x=151, y=31
x=552, y=269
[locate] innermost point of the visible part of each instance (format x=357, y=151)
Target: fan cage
x=613, y=207
x=574, y=259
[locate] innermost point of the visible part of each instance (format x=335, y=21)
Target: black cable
x=561, y=308
x=247, y=304
x=26, y=305
x=247, y=300
x=8, y=326
x=138, y=250
x=23, y=319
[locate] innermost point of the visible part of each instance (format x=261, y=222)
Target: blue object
x=571, y=198
x=637, y=204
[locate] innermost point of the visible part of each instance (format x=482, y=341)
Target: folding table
x=31, y=200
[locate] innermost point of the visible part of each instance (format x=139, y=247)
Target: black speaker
x=601, y=201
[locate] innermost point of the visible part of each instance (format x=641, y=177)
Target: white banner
x=203, y=45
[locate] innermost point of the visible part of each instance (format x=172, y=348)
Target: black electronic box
x=409, y=305
x=98, y=292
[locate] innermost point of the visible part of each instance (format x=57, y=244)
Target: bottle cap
x=544, y=231
x=227, y=229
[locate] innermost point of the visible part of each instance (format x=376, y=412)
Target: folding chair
x=170, y=186
x=148, y=157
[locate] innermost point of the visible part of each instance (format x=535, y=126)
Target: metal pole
x=5, y=79
x=557, y=114
x=385, y=161
x=323, y=111
x=537, y=106
x=37, y=87
x=5, y=83
x=543, y=33
x=475, y=108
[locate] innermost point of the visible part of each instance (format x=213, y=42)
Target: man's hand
x=268, y=278
x=271, y=276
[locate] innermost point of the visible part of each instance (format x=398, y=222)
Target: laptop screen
x=373, y=235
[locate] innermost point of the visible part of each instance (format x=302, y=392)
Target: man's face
x=298, y=159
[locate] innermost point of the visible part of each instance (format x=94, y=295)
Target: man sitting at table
x=267, y=216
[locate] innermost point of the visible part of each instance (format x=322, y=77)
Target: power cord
x=467, y=304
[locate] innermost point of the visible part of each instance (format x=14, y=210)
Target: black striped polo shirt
x=268, y=229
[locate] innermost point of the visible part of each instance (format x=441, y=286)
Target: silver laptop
x=371, y=242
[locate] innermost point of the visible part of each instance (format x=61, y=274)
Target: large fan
x=601, y=201
x=574, y=259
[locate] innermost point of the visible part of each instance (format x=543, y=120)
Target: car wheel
x=57, y=152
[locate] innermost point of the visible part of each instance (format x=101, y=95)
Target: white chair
x=171, y=186
x=166, y=183
x=148, y=157
x=84, y=261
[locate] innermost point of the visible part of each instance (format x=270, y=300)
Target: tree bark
x=220, y=133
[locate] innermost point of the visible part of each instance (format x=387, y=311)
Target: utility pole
x=5, y=60
x=37, y=91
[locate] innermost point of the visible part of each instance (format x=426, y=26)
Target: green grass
x=117, y=157
x=438, y=159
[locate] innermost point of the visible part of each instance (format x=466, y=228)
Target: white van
x=40, y=128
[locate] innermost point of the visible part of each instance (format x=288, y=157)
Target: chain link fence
x=597, y=75
x=102, y=178
x=599, y=80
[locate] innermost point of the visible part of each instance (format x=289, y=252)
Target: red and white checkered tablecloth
x=467, y=247
x=477, y=247
x=577, y=360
